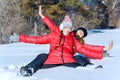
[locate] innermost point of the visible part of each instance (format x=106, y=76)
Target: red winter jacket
x=60, y=53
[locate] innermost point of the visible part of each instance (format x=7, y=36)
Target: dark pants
x=83, y=61
x=38, y=62
x=74, y=65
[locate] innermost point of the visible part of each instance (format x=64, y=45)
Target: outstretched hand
x=40, y=11
x=14, y=38
x=110, y=46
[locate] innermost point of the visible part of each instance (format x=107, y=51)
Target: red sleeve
x=35, y=39
x=50, y=24
x=92, y=51
x=94, y=47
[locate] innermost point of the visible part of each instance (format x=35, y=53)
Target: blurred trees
x=11, y=19
x=114, y=12
x=20, y=16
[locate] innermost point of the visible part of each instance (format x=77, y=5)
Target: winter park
x=59, y=40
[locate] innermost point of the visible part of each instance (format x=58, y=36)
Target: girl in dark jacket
x=63, y=46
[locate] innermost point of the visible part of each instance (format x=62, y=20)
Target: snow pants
x=38, y=62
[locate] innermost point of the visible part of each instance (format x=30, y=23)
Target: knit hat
x=67, y=22
x=84, y=31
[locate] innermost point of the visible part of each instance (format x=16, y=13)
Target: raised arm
x=48, y=21
x=40, y=12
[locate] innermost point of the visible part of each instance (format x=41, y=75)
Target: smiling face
x=66, y=31
x=80, y=33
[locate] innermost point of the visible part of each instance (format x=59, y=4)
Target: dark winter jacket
x=60, y=53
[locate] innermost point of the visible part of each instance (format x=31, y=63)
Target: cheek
x=67, y=30
x=80, y=34
x=70, y=30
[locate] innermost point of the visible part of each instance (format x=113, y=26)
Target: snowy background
x=15, y=55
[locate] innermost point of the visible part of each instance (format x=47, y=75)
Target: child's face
x=80, y=33
x=66, y=30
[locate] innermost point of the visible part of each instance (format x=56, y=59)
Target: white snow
x=13, y=56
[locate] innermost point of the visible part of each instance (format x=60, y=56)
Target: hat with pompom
x=67, y=22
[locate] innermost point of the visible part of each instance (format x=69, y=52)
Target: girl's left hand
x=110, y=46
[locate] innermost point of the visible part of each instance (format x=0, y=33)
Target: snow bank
x=13, y=56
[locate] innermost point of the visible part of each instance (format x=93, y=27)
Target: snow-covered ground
x=14, y=55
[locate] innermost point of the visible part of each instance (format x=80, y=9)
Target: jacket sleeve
x=50, y=24
x=35, y=39
x=92, y=51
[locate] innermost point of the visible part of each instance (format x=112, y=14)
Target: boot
x=26, y=71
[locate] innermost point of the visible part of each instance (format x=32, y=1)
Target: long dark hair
x=61, y=34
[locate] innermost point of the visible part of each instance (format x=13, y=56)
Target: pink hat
x=67, y=22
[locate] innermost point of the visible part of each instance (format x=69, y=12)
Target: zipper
x=63, y=49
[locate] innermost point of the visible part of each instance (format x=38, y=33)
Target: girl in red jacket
x=63, y=46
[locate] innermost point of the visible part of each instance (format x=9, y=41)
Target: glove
x=14, y=38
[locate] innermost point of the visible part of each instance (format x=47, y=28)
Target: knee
x=42, y=55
